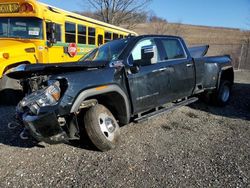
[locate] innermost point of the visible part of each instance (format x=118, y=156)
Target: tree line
x=127, y=13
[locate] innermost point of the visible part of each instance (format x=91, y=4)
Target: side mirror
x=148, y=57
x=147, y=52
x=52, y=33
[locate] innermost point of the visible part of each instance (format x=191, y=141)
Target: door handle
x=163, y=69
x=189, y=64
x=169, y=69
x=160, y=70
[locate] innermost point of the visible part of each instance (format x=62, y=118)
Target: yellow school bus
x=33, y=32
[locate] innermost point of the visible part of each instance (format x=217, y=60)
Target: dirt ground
x=194, y=146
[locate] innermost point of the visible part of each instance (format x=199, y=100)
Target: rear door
x=179, y=68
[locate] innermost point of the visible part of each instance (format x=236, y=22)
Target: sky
x=221, y=13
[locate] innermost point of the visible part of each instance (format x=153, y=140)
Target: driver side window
x=136, y=54
x=57, y=32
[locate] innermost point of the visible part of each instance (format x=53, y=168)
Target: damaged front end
x=38, y=110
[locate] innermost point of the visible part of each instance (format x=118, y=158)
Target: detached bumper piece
x=45, y=128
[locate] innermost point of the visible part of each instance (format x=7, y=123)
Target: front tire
x=102, y=128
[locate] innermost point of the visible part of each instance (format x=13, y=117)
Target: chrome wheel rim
x=226, y=94
x=108, y=126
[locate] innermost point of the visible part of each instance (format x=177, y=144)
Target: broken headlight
x=48, y=96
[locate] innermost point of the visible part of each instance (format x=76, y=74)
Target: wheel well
x=228, y=74
x=15, y=65
x=116, y=105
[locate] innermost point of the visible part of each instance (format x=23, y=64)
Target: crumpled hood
x=26, y=71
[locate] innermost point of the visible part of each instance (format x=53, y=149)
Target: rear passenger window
x=70, y=32
x=172, y=49
x=91, y=35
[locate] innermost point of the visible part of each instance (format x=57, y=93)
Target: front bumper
x=45, y=128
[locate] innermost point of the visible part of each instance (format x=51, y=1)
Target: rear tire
x=102, y=128
x=221, y=97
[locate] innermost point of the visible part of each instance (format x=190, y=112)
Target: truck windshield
x=26, y=28
x=107, y=52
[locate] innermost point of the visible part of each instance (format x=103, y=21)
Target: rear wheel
x=102, y=128
x=222, y=96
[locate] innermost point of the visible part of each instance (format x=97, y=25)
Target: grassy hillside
x=196, y=34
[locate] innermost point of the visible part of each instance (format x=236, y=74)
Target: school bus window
x=70, y=32
x=3, y=27
x=91, y=32
x=115, y=36
x=28, y=28
x=58, y=32
x=82, y=31
x=121, y=36
x=108, y=36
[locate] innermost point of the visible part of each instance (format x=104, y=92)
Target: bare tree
x=89, y=14
x=159, y=25
x=120, y=12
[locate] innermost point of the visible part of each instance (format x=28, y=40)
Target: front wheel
x=102, y=128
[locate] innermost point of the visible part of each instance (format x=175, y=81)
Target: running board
x=165, y=109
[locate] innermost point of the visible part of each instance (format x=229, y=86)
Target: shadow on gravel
x=238, y=107
x=85, y=144
x=10, y=97
x=11, y=137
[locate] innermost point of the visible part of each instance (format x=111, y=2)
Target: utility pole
x=247, y=51
x=241, y=54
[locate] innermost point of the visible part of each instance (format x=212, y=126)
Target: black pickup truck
x=119, y=82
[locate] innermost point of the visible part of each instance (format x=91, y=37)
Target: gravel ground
x=194, y=146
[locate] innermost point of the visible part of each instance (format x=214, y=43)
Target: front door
x=146, y=85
